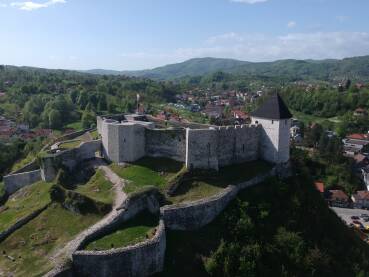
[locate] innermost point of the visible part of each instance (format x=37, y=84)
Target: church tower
x=275, y=119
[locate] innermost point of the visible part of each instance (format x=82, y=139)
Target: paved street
x=346, y=214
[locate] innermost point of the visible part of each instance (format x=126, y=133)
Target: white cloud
x=30, y=6
x=248, y=1
x=261, y=47
x=291, y=24
x=3, y=5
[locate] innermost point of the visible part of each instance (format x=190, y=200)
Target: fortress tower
x=275, y=119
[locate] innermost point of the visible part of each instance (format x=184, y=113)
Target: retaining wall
x=166, y=143
x=20, y=223
x=196, y=214
x=17, y=181
x=142, y=259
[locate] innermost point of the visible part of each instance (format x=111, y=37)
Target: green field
x=147, y=172
x=70, y=144
x=307, y=118
x=18, y=165
x=75, y=125
x=23, y=203
x=205, y=186
x=98, y=188
x=32, y=245
x=136, y=230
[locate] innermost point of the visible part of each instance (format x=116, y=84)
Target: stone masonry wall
x=201, y=149
x=68, y=158
x=142, y=259
x=237, y=144
x=196, y=214
x=166, y=143
x=218, y=147
x=15, y=182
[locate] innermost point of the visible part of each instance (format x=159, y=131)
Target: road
x=346, y=214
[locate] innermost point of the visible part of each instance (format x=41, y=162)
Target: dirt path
x=61, y=256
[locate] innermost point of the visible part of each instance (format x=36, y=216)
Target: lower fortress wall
x=68, y=158
x=17, y=181
x=196, y=214
x=166, y=143
x=193, y=215
x=142, y=259
x=147, y=258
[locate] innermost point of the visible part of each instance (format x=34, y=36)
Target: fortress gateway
x=129, y=138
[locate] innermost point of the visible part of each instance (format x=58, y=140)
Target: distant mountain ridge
x=356, y=68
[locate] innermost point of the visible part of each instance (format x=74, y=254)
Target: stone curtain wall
x=142, y=259
x=15, y=182
x=214, y=148
x=194, y=215
x=201, y=149
x=68, y=158
x=237, y=144
x=169, y=143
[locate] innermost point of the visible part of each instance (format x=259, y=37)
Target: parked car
x=358, y=224
x=354, y=217
x=364, y=215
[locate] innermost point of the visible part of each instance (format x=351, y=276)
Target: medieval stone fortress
x=127, y=139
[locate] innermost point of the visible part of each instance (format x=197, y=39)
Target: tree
x=88, y=119
x=55, y=119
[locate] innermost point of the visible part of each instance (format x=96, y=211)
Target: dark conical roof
x=273, y=108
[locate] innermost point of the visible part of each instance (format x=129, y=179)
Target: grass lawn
x=148, y=172
x=70, y=144
x=23, y=203
x=131, y=232
x=2, y=189
x=75, y=125
x=307, y=118
x=33, y=244
x=206, y=186
x=98, y=188
x=18, y=165
x=194, y=190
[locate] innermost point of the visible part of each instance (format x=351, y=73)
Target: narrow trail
x=62, y=255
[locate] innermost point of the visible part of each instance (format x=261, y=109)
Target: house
x=212, y=111
x=361, y=199
x=237, y=114
x=354, y=143
x=360, y=112
x=337, y=198
x=319, y=185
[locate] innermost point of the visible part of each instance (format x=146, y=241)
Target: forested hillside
x=280, y=228
x=356, y=68
x=54, y=98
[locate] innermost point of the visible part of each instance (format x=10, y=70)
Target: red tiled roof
x=338, y=195
x=358, y=136
x=361, y=195
x=319, y=186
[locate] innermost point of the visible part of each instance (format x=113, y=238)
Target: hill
x=279, y=228
x=356, y=68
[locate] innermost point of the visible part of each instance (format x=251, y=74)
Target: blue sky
x=138, y=34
